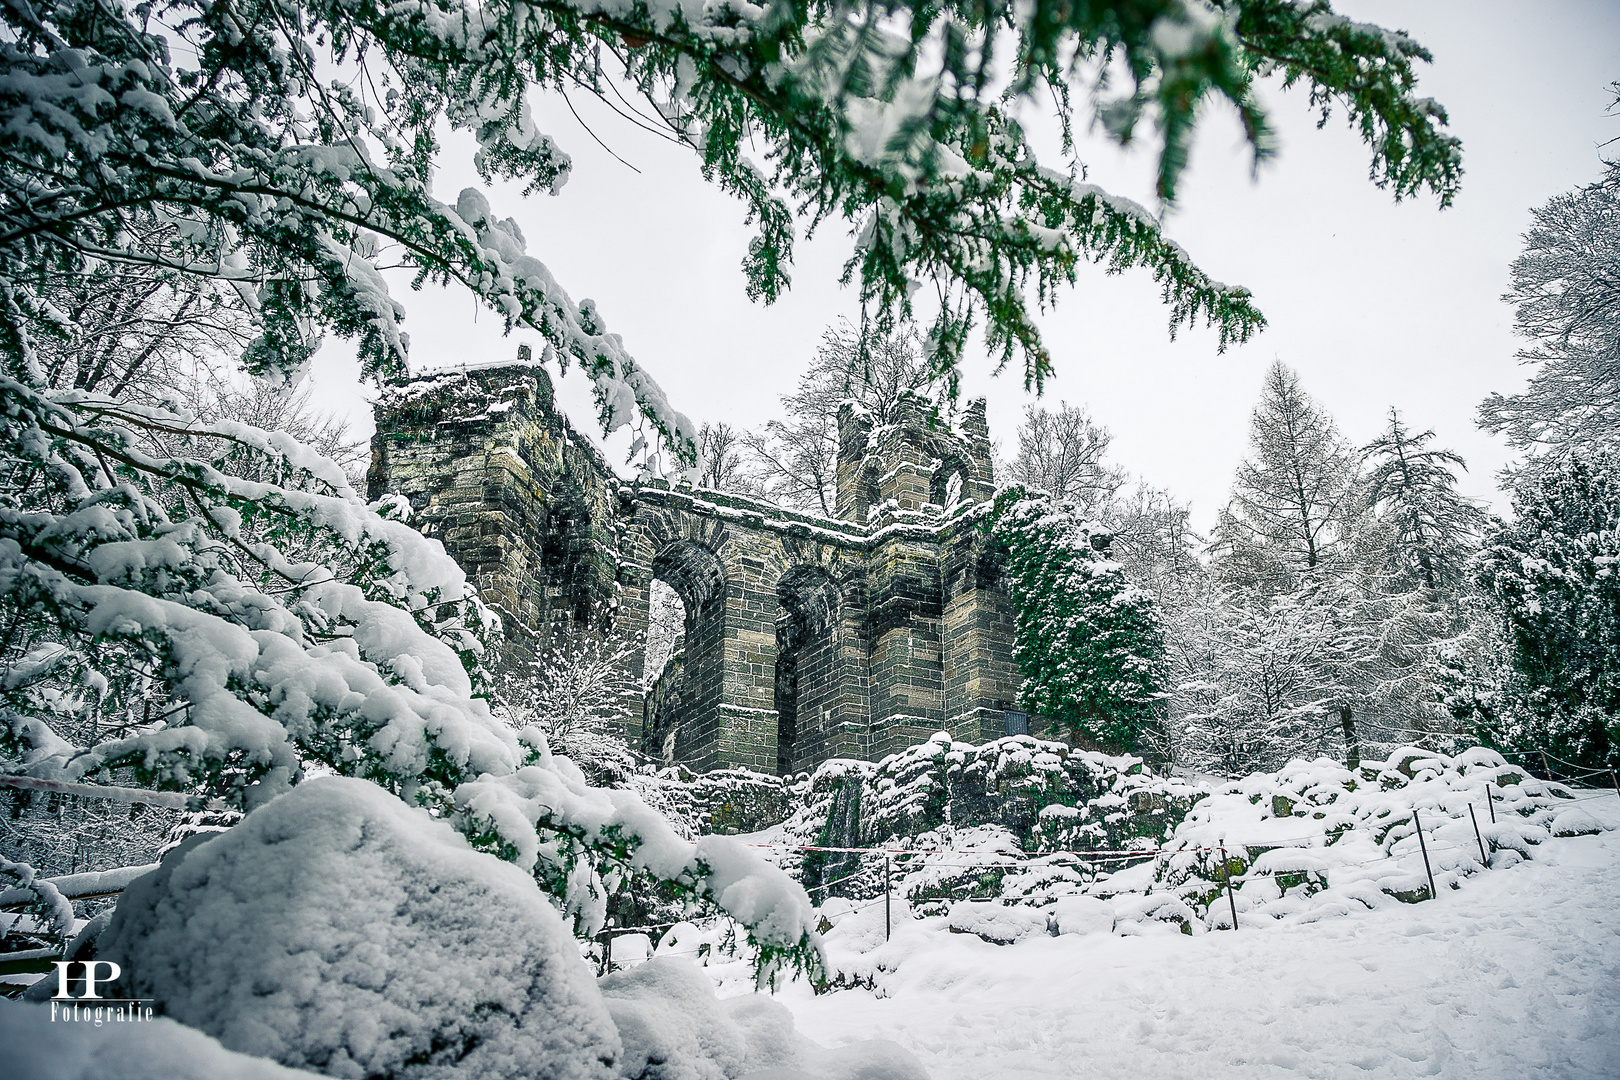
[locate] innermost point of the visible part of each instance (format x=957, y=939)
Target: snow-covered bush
x=338, y=930
x=38, y=1048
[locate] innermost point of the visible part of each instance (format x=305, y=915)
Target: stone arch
x=941, y=489
x=809, y=604
x=679, y=717
x=822, y=653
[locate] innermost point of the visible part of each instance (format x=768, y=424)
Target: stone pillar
x=855, y=494
x=908, y=699
x=979, y=485
x=746, y=732
x=981, y=677
x=524, y=506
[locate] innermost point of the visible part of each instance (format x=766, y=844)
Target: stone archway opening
x=805, y=643
x=683, y=686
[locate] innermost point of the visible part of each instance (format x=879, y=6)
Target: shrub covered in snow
x=337, y=929
x=340, y=931
x=38, y=1048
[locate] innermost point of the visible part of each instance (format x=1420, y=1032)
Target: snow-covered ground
x=1516, y=974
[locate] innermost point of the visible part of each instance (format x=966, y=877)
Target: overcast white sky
x=1374, y=303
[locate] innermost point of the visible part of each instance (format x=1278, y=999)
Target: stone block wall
x=807, y=638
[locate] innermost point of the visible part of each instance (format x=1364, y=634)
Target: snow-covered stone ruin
x=805, y=638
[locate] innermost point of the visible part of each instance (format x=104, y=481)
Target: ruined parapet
x=914, y=467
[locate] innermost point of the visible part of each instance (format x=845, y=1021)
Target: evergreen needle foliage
x=1552, y=569
x=1089, y=643
x=287, y=147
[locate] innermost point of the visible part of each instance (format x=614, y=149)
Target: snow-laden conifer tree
x=1432, y=529
x=1089, y=642
x=1553, y=570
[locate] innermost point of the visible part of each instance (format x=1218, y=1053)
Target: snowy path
x=1517, y=975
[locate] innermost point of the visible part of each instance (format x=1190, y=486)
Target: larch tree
x=1295, y=495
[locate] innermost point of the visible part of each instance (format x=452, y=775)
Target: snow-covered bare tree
x=1063, y=453
x=1566, y=290
x=1432, y=530
x=1295, y=496
x=134, y=330
x=666, y=629
x=795, y=460
x=579, y=695
x=720, y=450
x=1155, y=541
x=286, y=409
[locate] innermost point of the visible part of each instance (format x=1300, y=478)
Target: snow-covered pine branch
x=281, y=146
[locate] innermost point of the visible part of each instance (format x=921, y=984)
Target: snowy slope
x=1515, y=974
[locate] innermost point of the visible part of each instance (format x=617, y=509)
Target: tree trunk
x=1352, y=741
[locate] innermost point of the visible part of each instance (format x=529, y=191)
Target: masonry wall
x=806, y=638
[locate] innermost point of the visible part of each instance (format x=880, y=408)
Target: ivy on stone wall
x=1089, y=643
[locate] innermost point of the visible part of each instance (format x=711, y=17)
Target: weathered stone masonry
x=807, y=638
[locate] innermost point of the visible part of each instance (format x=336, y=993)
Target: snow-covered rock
x=672, y=1025
x=998, y=923
x=1574, y=822
x=1082, y=915
x=337, y=929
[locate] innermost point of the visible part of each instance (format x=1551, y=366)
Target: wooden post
x=1433, y=895
x=1545, y=765
x=1226, y=878
x=607, y=952
x=1615, y=780
x=1482, y=856
x=1490, y=801
x=887, y=923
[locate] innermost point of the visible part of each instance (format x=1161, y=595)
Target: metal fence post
x=1482, y=856
x=1433, y=895
x=887, y=919
x=1226, y=878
